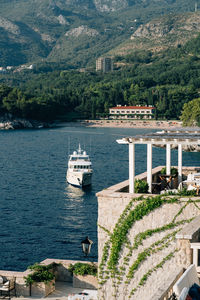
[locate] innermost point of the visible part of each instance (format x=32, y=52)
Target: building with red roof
x=132, y=112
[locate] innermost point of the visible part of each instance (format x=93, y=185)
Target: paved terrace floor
x=62, y=291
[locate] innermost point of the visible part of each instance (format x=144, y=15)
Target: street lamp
x=86, y=245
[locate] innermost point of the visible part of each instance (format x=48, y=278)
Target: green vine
x=119, y=236
x=148, y=251
x=105, y=229
x=196, y=205
x=145, y=276
x=143, y=235
x=135, y=211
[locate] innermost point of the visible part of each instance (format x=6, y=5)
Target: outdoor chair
x=6, y=286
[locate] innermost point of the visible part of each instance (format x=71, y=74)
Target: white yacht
x=79, y=172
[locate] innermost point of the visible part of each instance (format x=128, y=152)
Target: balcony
x=122, y=188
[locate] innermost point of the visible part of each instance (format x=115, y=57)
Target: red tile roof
x=132, y=107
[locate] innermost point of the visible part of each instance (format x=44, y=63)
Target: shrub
x=185, y=192
x=41, y=273
x=141, y=186
x=83, y=269
x=173, y=171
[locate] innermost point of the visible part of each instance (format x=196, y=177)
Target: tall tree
x=191, y=113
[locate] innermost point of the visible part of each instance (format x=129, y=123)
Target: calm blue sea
x=41, y=216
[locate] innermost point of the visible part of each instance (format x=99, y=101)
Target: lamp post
x=86, y=245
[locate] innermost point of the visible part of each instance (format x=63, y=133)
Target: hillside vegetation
x=37, y=30
x=159, y=34
x=165, y=80
x=159, y=67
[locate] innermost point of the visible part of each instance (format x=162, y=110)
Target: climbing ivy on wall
x=118, y=239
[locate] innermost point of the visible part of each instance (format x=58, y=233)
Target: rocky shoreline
x=10, y=122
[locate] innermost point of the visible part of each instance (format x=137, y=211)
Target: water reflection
x=73, y=193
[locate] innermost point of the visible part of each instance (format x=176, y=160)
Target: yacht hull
x=79, y=179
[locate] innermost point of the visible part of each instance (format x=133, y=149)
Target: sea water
x=41, y=215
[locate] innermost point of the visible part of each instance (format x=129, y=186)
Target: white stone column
x=131, y=167
x=168, y=159
x=149, y=166
x=180, y=163
x=196, y=248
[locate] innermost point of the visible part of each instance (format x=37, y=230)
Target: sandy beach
x=124, y=124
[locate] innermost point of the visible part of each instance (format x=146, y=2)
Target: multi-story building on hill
x=104, y=64
x=132, y=112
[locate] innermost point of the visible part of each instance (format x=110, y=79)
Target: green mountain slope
x=172, y=30
x=35, y=30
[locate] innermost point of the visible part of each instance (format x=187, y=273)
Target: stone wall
x=41, y=289
x=111, y=204
x=85, y=282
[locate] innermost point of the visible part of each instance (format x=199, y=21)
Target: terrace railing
x=166, y=291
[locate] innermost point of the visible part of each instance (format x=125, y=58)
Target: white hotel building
x=132, y=112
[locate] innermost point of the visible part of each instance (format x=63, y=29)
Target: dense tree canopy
x=166, y=80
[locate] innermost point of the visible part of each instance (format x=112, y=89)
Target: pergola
x=167, y=137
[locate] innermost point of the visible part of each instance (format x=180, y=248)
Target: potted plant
x=141, y=186
x=41, y=280
x=173, y=171
x=84, y=275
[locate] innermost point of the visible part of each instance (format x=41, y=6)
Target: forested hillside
x=73, y=32
x=166, y=80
